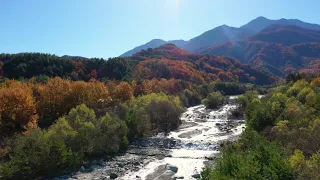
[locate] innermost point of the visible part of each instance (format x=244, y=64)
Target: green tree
x=214, y=100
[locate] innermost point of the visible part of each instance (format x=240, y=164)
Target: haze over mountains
x=277, y=46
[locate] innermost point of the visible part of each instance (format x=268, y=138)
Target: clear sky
x=108, y=28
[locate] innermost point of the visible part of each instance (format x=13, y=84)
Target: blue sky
x=108, y=28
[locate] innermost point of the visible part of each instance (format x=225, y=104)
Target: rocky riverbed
x=180, y=155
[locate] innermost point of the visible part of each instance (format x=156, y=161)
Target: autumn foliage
x=279, y=49
x=167, y=61
x=17, y=107
x=66, y=111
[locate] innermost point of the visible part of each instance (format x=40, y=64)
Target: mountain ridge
x=224, y=33
x=279, y=49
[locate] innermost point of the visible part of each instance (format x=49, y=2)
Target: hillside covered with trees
x=60, y=113
x=168, y=60
x=282, y=137
x=278, y=49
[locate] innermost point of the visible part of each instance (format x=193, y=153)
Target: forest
x=60, y=113
x=169, y=61
x=282, y=137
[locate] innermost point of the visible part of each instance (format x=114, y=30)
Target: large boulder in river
x=113, y=176
x=197, y=175
x=172, y=168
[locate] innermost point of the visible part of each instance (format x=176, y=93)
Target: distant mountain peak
x=156, y=40
x=225, y=26
x=261, y=23
x=261, y=18
x=151, y=44
x=224, y=33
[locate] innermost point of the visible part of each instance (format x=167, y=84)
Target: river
x=180, y=155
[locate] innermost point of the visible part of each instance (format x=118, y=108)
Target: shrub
x=38, y=154
x=153, y=113
x=253, y=157
x=214, y=100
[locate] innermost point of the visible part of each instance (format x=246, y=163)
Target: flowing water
x=181, y=154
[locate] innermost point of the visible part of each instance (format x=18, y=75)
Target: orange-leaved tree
x=59, y=96
x=120, y=91
x=93, y=94
x=52, y=100
x=17, y=107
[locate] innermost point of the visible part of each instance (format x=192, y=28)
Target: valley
x=181, y=154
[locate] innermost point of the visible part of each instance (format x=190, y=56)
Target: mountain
x=225, y=33
x=287, y=35
x=279, y=49
x=179, y=43
x=261, y=23
x=153, y=44
x=258, y=24
x=170, y=51
x=168, y=61
x=277, y=59
x=216, y=36
x=241, y=50
x=311, y=50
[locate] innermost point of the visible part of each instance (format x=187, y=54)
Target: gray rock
x=113, y=175
x=120, y=164
x=136, y=169
x=177, y=177
x=160, y=156
x=197, y=175
x=136, y=163
x=210, y=157
x=82, y=169
x=172, y=168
